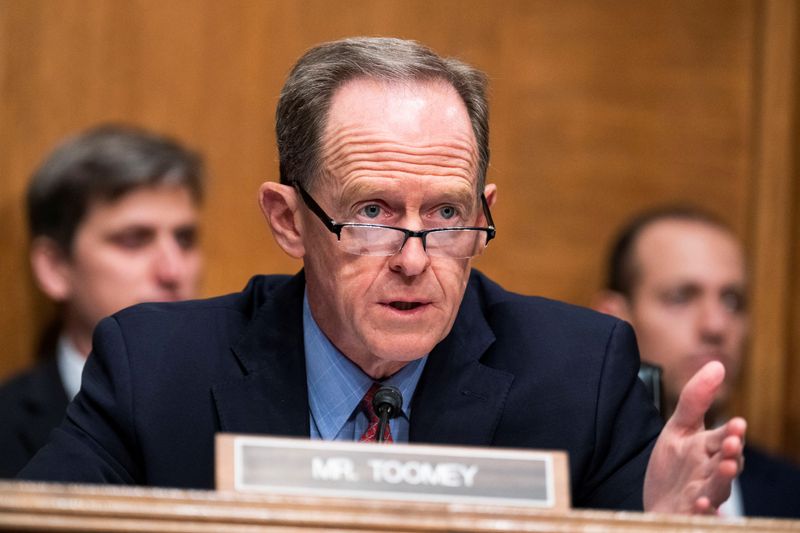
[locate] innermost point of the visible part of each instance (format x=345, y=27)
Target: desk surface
x=57, y=507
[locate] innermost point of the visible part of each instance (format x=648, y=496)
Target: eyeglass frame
x=336, y=227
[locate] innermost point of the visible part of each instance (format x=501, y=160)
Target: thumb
x=697, y=396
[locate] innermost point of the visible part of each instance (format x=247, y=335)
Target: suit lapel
x=458, y=399
x=271, y=397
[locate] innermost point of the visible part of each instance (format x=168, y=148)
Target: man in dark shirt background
x=679, y=276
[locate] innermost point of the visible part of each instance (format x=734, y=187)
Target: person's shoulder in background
x=32, y=403
x=770, y=485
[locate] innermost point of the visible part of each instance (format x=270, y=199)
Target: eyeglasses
x=377, y=239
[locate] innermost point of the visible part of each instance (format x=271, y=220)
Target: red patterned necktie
x=371, y=434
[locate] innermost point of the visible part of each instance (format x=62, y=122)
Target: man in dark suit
x=678, y=275
x=113, y=216
x=383, y=155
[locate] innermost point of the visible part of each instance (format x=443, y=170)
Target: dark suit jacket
x=770, y=485
x=31, y=405
x=514, y=371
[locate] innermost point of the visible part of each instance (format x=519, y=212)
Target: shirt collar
x=336, y=385
x=70, y=365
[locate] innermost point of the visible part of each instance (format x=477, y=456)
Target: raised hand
x=691, y=468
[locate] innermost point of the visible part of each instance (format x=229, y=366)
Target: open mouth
x=405, y=306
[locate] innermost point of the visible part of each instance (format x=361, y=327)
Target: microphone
x=387, y=403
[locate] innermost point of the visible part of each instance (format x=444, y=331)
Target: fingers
x=702, y=505
x=697, y=396
x=715, y=439
x=727, y=439
x=725, y=446
x=732, y=450
x=737, y=426
x=728, y=468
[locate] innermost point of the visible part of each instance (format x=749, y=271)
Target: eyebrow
x=461, y=196
x=127, y=228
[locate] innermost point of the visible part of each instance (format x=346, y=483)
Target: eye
x=734, y=301
x=675, y=298
x=678, y=296
x=186, y=237
x=371, y=210
x=133, y=238
x=447, y=212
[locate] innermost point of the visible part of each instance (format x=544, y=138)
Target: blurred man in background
x=113, y=218
x=679, y=276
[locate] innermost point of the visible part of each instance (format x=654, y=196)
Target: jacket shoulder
x=245, y=303
x=536, y=312
x=31, y=383
x=190, y=329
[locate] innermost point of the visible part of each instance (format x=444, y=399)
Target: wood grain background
x=599, y=109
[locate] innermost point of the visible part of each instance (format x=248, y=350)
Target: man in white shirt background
x=113, y=220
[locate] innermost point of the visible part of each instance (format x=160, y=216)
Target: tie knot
x=366, y=402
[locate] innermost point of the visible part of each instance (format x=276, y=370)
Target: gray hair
x=104, y=164
x=306, y=96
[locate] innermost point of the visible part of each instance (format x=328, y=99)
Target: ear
x=612, y=303
x=279, y=204
x=490, y=192
x=51, y=268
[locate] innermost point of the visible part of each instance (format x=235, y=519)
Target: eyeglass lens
x=370, y=240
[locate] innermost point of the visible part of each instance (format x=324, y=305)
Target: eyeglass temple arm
x=317, y=210
x=488, y=214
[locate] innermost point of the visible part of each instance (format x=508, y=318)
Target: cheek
x=660, y=344
x=740, y=330
x=100, y=293
x=657, y=335
x=117, y=279
x=101, y=268
x=451, y=271
x=344, y=281
x=193, y=268
x=358, y=282
x=665, y=328
x=452, y=276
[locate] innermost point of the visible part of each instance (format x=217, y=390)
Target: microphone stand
x=387, y=403
x=383, y=420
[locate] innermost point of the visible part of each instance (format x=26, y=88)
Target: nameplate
x=486, y=476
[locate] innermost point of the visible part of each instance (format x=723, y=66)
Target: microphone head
x=388, y=398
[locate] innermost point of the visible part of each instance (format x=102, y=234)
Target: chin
x=403, y=349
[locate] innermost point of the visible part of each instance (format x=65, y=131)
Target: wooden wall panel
x=787, y=14
x=599, y=109
x=602, y=109
x=772, y=233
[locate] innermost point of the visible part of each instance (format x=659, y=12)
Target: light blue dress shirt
x=336, y=386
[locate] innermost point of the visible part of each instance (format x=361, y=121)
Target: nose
x=169, y=265
x=412, y=259
x=713, y=321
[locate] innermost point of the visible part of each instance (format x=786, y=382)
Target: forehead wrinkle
x=380, y=152
x=393, y=168
x=355, y=134
x=371, y=188
x=347, y=147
